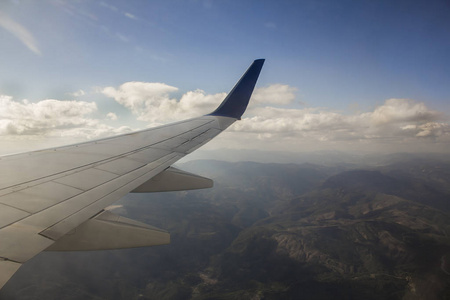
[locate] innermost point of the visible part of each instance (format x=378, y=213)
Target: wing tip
x=237, y=100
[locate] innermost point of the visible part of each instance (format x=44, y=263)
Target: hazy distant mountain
x=273, y=231
x=322, y=157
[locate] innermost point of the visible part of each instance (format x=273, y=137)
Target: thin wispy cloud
x=78, y=93
x=116, y=10
x=122, y=37
x=19, y=32
x=130, y=16
x=111, y=7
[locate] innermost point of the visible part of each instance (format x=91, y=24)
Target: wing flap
x=7, y=270
x=173, y=179
x=20, y=242
x=80, y=210
x=110, y=231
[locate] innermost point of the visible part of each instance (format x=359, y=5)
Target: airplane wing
x=54, y=199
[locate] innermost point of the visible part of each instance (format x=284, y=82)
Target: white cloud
x=151, y=102
x=78, y=93
x=396, y=121
x=397, y=124
x=52, y=118
x=403, y=110
x=198, y=102
x=19, y=32
x=111, y=116
x=281, y=94
x=392, y=118
x=431, y=129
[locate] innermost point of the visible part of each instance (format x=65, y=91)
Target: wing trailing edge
x=110, y=231
x=7, y=270
x=173, y=179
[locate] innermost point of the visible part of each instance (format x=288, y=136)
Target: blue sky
x=344, y=75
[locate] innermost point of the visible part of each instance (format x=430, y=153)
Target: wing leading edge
x=57, y=199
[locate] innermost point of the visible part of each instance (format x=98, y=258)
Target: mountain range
x=273, y=231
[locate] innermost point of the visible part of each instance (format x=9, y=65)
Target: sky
x=356, y=76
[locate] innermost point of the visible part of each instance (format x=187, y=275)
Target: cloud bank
x=151, y=102
x=52, y=118
x=274, y=121
x=397, y=124
x=399, y=118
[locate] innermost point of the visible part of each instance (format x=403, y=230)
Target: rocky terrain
x=273, y=231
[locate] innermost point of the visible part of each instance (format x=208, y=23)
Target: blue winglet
x=236, y=102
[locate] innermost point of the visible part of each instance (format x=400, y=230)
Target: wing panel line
x=76, y=218
x=93, y=164
x=86, y=168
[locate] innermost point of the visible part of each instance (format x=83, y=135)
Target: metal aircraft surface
x=54, y=199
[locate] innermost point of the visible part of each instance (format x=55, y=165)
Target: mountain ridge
x=271, y=231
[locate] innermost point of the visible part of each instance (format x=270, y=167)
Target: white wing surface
x=53, y=199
